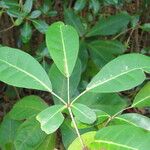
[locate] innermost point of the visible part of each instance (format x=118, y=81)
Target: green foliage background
x=107, y=29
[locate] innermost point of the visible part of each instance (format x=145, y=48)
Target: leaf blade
x=142, y=99
x=59, y=81
x=63, y=44
x=72, y=19
x=27, y=107
x=8, y=129
x=29, y=135
x=83, y=113
x=103, y=51
x=125, y=69
x=111, y=139
x=110, y=25
x=133, y=119
x=15, y=67
x=51, y=118
x=88, y=138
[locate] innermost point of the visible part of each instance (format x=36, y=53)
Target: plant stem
x=58, y=97
x=71, y=114
x=112, y=117
x=129, y=36
x=17, y=93
x=76, y=128
x=4, y=30
x=68, y=91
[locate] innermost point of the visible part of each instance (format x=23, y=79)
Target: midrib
x=140, y=101
x=64, y=52
x=117, y=144
x=95, y=85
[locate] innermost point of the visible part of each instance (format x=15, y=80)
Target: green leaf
x=146, y=27
x=51, y=118
x=111, y=25
x=28, y=6
x=1, y=12
x=91, y=70
x=122, y=137
x=18, y=21
x=59, y=81
x=26, y=32
x=79, y=5
x=95, y=5
x=48, y=143
x=66, y=129
x=35, y=14
x=63, y=44
x=13, y=8
x=83, y=113
x=134, y=20
x=142, y=99
x=3, y=5
x=72, y=19
x=29, y=135
x=80, y=125
x=9, y=4
x=102, y=117
x=27, y=107
x=8, y=130
x=19, y=69
x=83, y=55
x=103, y=51
x=111, y=2
x=122, y=73
x=88, y=138
x=52, y=13
x=111, y=103
x=40, y=25
x=15, y=12
x=133, y=119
